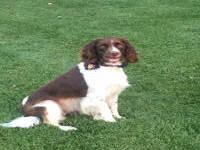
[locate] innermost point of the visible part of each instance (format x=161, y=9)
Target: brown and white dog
x=92, y=87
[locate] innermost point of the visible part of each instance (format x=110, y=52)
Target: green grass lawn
x=162, y=107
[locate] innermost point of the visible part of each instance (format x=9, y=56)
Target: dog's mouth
x=112, y=59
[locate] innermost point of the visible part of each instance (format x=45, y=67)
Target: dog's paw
x=109, y=120
x=67, y=128
x=119, y=117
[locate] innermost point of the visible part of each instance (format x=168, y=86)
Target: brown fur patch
x=68, y=86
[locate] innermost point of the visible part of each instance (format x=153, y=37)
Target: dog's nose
x=114, y=54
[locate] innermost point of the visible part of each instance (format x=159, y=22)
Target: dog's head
x=109, y=52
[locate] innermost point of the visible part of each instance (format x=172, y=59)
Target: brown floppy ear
x=130, y=54
x=88, y=53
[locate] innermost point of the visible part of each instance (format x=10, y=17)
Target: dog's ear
x=88, y=53
x=130, y=54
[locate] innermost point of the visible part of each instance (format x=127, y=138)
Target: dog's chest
x=105, y=80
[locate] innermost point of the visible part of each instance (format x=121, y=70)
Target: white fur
x=22, y=122
x=97, y=108
x=113, y=104
x=114, y=49
x=54, y=114
x=113, y=82
x=53, y=110
x=24, y=100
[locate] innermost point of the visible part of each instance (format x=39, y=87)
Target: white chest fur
x=104, y=81
x=104, y=86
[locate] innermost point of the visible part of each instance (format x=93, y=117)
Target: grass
x=39, y=42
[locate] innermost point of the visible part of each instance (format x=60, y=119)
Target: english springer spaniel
x=92, y=87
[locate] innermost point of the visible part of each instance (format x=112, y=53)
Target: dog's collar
x=95, y=66
x=123, y=65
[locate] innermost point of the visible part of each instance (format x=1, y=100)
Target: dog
x=91, y=88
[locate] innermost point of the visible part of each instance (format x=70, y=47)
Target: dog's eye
x=118, y=45
x=103, y=47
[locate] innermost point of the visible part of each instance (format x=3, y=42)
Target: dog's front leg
x=113, y=104
x=98, y=108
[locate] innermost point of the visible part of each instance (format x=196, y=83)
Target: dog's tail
x=22, y=122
